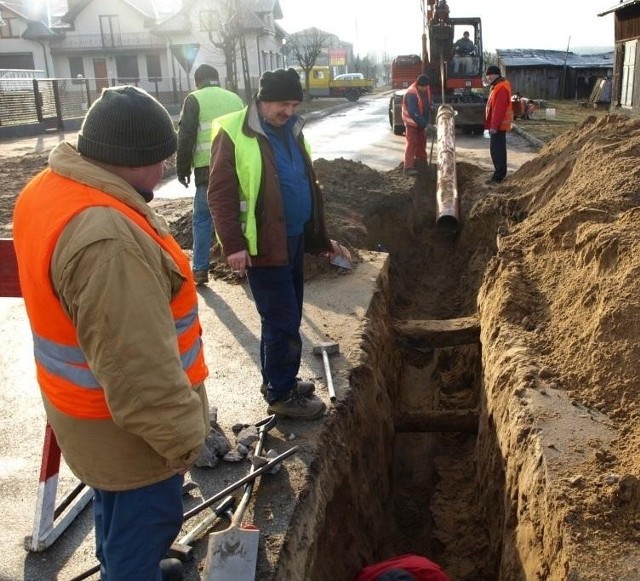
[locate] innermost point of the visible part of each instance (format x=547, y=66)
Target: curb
x=528, y=137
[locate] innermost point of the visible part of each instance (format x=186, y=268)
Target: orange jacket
x=421, y=568
x=499, y=111
x=63, y=373
x=424, y=102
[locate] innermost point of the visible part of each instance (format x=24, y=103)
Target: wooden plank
x=9, y=281
x=434, y=333
x=437, y=421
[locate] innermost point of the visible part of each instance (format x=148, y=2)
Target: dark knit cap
x=422, y=81
x=127, y=127
x=205, y=73
x=280, y=85
x=493, y=70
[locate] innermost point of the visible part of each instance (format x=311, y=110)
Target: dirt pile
x=565, y=282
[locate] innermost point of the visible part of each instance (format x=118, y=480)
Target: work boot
x=302, y=388
x=296, y=407
x=171, y=570
x=201, y=276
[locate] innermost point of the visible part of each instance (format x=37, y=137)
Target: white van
x=349, y=77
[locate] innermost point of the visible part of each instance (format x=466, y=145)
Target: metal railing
x=52, y=101
x=126, y=40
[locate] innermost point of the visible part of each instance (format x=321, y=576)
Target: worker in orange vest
x=416, y=112
x=498, y=119
x=114, y=314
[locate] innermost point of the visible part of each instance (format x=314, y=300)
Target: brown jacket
x=224, y=200
x=116, y=283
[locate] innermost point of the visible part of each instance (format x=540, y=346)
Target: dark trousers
x=278, y=292
x=135, y=528
x=498, y=150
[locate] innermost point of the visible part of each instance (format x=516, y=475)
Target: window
x=10, y=28
x=127, y=69
x=76, y=67
x=154, y=70
x=110, y=31
x=628, y=73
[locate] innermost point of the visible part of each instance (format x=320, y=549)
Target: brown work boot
x=296, y=407
x=302, y=388
x=201, y=276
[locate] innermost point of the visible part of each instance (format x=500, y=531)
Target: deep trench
x=401, y=488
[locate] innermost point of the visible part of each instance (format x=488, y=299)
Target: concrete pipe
x=447, y=194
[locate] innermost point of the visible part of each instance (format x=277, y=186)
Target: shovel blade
x=232, y=554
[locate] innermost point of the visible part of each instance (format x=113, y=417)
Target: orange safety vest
x=406, y=118
x=502, y=85
x=62, y=370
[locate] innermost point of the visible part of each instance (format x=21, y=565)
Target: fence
x=51, y=102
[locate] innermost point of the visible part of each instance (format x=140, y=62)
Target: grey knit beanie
x=127, y=127
x=280, y=85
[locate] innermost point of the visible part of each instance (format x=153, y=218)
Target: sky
x=374, y=28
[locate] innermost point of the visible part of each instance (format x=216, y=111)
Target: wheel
x=352, y=95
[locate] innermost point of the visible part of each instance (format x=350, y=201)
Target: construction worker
x=269, y=210
x=464, y=49
x=497, y=120
x=114, y=315
x=199, y=110
x=416, y=113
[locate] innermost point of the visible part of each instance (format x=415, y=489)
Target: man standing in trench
x=269, y=210
x=498, y=119
x=199, y=110
x=416, y=112
x=114, y=315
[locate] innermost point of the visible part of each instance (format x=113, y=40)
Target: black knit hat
x=280, y=85
x=422, y=81
x=205, y=73
x=127, y=127
x=493, y=70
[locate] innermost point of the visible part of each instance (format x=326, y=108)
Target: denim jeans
x=135, y=528
x=278, y=293
x=202, y=229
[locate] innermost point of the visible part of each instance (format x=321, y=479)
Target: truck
x=322, y=83
x=455, y=68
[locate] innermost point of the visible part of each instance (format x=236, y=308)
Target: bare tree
x=225, y=24
x=305, y=47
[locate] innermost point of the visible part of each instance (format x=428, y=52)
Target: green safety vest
x=248, y=170
x=213, y=102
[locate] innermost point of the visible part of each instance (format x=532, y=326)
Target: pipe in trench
x=447, y=181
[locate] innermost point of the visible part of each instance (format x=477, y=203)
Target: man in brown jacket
x=268, y=211
x=114, y=314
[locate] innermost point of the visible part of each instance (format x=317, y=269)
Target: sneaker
x=201, y=276
x=302, y=388
x=296, y=407
x=171, y=570
x=411, y=171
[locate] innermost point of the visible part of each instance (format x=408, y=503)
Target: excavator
x=452, y=59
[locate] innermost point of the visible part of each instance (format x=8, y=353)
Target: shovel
x=233, y=553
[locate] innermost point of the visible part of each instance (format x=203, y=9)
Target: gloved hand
x=184, y=180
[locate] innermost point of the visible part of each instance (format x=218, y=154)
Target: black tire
x=352, y=96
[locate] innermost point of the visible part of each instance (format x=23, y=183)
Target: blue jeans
x=202, y=229
x=278, y=292
x=135, y=528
